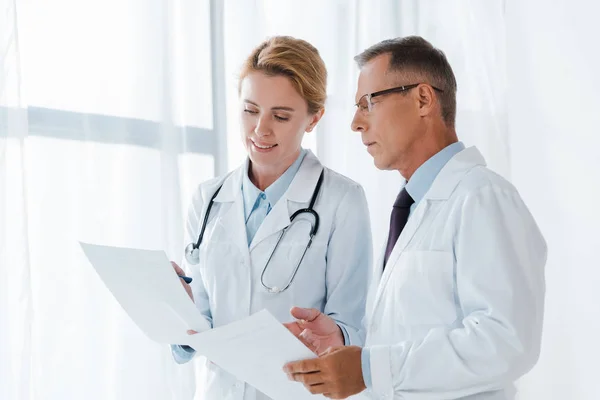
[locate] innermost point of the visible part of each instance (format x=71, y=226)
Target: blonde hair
x=296, y=59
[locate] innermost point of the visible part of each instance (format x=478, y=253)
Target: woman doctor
x=241, y=268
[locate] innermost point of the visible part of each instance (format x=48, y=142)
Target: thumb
x=326, y=352
x=307, y=314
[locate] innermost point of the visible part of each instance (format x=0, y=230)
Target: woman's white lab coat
x=457, y=312
x=332, y=277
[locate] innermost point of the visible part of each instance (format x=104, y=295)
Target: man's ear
x=426, y=99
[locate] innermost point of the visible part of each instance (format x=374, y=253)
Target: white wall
x=554, y=109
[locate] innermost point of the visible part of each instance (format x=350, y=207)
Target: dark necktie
x=398, y=221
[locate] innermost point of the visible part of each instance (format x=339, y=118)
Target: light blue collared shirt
x=417, y=187
x=258, y=204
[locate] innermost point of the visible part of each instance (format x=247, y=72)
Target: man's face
x=392, y=127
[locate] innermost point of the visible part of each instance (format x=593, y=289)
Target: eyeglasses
x=365, y=103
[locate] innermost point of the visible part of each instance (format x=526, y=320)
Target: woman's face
x=274, y=118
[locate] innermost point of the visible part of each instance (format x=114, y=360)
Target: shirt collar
x=275, y=191
x=423, y=177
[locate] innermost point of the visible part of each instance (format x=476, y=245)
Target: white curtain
x=108, y=121
x=105, y=108
x=15, y=268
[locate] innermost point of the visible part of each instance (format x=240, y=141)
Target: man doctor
x=456, y=303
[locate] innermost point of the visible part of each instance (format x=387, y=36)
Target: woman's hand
x=180, y=272
x=316, y=330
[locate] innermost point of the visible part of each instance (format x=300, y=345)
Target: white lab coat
x=457, y=312
x=333, y=276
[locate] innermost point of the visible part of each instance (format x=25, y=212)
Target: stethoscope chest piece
x=192, y=254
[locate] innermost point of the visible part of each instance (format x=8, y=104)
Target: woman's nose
x=262, y=128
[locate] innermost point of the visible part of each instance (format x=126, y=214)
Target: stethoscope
x=192, y=250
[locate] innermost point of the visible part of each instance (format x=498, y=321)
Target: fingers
x=310, y=340
x=293, y=327
x=336, y=375
x=191, y=332
x=181, y=272
x=178, y=270
x=303, y=366
x=306, y=336
x=314, y=382
x=310, y=379
x=306, y=314
x=312, y=373
x=188, y=290
x=319, y=388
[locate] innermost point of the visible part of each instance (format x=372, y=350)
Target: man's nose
x=357, y=124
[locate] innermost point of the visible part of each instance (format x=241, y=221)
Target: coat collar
x=453, y=172
x=298, y=191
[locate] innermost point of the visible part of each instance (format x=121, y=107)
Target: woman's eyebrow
x=277, y=108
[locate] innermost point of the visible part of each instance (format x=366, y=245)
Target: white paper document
x=255, y=350
x=148, y=289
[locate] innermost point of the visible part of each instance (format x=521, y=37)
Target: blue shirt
x=417, y=187
x=258, y=204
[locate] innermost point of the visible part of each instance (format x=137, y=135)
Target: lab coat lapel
x=376, y=280
x=231, y=216
x=300, y=191
x=441, y=189
x=413, y=223
x=277, y=220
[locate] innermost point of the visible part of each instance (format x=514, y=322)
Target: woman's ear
x=315, y=120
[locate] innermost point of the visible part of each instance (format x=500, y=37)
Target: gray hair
x=417, y=56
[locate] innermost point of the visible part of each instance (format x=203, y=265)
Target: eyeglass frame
x=398, y=89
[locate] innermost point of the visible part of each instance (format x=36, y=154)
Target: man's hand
x=336, y=374
x=315, y=329
x=180, y=272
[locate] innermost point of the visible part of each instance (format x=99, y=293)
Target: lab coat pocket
x=219, y=266
x=426, y=287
